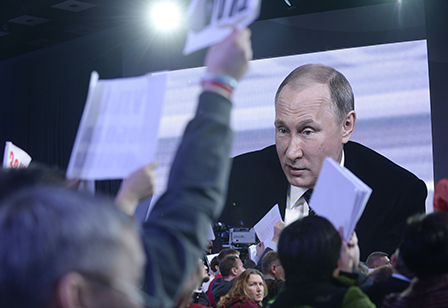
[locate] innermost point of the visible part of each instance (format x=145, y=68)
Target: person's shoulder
x=355, y=298
x=242, y=303
x=218, y=283
x=265, y=153
x=359, y=157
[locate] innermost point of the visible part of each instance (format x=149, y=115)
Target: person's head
x=425, y=244
x=362, y=268
x=59, y=246
x=399, y=266
x=377, y=259
x=250, y=285
x=309, y=250
x=231, y=267
x=381, y=272
x=271, y=266
x=314, y=118
x=12, y=180
x=204, y=269
x=227, y=252
x=214, y=266
x=441, y=196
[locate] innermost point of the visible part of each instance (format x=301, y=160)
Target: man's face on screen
x=306, y=132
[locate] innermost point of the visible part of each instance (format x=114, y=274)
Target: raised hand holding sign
x=210, y=21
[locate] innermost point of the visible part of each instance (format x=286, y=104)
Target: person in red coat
x=247, y=292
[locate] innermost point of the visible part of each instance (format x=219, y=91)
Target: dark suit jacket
x=257, y=183
x=324, y=294
x=378, y=291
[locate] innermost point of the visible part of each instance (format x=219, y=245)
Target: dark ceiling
x=29, y=25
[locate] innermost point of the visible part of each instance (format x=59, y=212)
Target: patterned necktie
x=307, y=196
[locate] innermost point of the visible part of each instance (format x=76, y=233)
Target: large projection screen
x=391, y=87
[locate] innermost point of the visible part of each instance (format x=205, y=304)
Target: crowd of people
x=64, y=249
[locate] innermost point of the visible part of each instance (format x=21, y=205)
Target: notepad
x=339, y=196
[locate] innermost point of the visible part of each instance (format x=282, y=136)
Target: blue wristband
x=225, y=79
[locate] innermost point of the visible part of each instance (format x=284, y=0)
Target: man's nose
x=295, y=148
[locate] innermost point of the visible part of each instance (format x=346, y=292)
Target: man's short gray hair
x=46, y=232
x=340, y=89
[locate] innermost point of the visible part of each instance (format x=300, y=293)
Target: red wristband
x=218, y=84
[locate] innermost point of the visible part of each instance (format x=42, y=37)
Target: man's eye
x=281, y=130
x=307, y=132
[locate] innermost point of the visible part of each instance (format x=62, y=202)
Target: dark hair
x=225, y=252
x=309, y=250
x=226, y=265
x=425, y=245
x=46, y=232
x=213, y=264
x=400, y=266
x=12, y=180
x=269, y=258
x=340, y=90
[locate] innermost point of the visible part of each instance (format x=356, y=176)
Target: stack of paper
x=339, y=196
x=118, y=129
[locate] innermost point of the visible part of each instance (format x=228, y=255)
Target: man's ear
x=393, y=260
x=348, y=126
x=70, y=290
x=273, y=268
x=234, y=271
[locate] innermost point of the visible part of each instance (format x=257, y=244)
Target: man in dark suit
x=396, y=283
x=314, y=119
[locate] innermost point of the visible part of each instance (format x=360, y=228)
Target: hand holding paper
x=265, y=227
x=135, y=188
x=210, y=21
x=349, y=255
x=230, y=57
x=278, y=228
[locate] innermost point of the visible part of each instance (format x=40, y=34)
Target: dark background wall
x=42, y=94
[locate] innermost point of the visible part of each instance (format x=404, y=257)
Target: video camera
x=235, y=238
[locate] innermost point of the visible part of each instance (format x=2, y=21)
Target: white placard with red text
x=119, y=126
x=15, y=157
x=210, y=21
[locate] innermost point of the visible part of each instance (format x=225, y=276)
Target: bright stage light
x=166, y=16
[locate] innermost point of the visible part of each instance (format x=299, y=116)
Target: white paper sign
x=210, y=257
x=339, y=196
x=210, y=21
x=118, y=129
x=265, y=227
x=15, y=157
x=252, y=252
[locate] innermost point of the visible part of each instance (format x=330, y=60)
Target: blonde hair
x=239, y=288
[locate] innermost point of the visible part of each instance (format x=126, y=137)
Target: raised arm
x=176, y=230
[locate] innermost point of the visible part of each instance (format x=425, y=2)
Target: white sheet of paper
x=339, y=196
x=118, y=129
x=252, y=251
x=265, y=227
x=210, y=21
x=210, y=257
x=15, y=157
x=211, y=234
